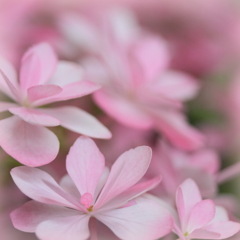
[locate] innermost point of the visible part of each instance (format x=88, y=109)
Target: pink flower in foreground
x=200, y=219
x=42, y=81
x=62, y=212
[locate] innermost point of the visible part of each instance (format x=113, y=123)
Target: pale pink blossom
x=43, y=81
x=138, y=90
x=200, y=43
x=176, y=166
x=200, y=219
x=140, y=93
x=62, y=211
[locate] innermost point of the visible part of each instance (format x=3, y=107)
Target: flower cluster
x=134, y=81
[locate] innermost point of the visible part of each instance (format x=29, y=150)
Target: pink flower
x=62, y=212
x=175, y=166
x=138, y=90
x=43, y=81
x=200, y=219
x=147, y=94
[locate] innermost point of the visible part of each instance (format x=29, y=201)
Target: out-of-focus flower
x=139, y=93
x=43, y=81
x=200, y=219
x=202, y=34
x=176, y=166
x=91, y=192
x=11, y=198
x=138, y=89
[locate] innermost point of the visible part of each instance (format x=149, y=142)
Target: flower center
x=86, y=200
x=90, y=209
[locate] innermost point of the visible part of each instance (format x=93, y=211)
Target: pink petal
x=175, y=127
x=220, y=215
x=42, y=91
x=85, y=165
x=206, y=159
x=226, y=229
x=29, y=144
x=41, y=187
x=79, y=30
x=13, y=91
x=178, y=232
x=146, y=220
x=4, y=106
x=38, y=65
x=67, y=73
x=32, y=213
x=9, y=71
x=128, y=169
x=71, y=91
x=203, y=234
x=152, y=55
x=101, y=182
x=175, y=86
x=187, y=197
x=35, y=116
x=68, y=185
x=132, y=192
x=202, y=213
x=79, y=121
x=124, y=111
x=65, y=228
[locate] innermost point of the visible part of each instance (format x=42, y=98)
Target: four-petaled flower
x=62, y=212
x=43, y=81
x=200, y=219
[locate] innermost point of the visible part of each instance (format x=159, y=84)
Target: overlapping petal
x=38, y=65
x=146, y=220
x=7, y=68
x=42, y=187
x=124, y=111
x=175, y=127
x=70, y=91
x=201, y=214
x=187, y=197
x=35, y=116
x=29, y=144
x=79, y=121
x=128, y=169
x=133, y=192
x=32, y=213
x=65, y=228
x=4, y=106
x=175, y=86
x=42, y=91
x=67, y=73
x=152, y=56
x=225, y=229
x=85, y=165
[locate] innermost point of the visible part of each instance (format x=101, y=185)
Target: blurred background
x=202, y=40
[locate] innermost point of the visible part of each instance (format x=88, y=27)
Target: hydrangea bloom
x=138, y=89
x=148, y=95
x=43, y=81
x=200, y=219
x=62, y=212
